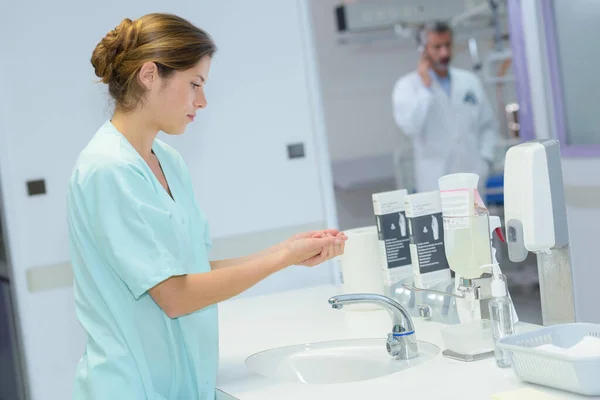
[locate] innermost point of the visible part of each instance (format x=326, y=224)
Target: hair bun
x=113, y=48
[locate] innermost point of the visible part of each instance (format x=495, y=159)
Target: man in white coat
x=446, y=113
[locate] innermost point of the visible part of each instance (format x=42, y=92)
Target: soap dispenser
x=501, y=315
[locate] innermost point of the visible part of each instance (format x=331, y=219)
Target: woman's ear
x=148, y=75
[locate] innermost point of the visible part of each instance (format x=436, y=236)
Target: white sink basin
x=334, y=362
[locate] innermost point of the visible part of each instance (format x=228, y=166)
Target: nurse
x=446, y=113
x=145, y=290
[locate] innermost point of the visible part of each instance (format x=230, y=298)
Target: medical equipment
x=359, y=22
x=536, y=221
x=467, y=243
x=468, y=232
x=512, y=117
x=385, y=14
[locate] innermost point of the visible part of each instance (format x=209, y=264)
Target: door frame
x=13, y=326
x=14, y=321
x=519, y=61
x=556, y=89
x=544, y=101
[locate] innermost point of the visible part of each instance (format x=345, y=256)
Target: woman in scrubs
x=145, y=290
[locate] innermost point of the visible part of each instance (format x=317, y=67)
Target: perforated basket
x=574, y=374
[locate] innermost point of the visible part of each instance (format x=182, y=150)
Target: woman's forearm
x=230, y=262
x=181, y=295
x=241, y=260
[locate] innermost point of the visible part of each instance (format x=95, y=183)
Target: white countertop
x=253, y=324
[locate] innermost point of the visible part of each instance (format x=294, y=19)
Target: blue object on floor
x=495, y=189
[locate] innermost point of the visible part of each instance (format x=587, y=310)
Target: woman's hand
x=315, y=247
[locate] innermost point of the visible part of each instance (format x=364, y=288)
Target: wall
x=357, y=82
x=261, y=95
x=573, y=21
x=582, y=187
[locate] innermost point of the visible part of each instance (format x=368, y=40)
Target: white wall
x=357, y=82
x=259, y=100
x=583, y=213
x=582, y=185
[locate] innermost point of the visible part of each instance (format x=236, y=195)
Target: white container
x=429, y=263
x=574, y=374
x=390, y=215
x=360, y=265
x=466, y=225
x=471, y=338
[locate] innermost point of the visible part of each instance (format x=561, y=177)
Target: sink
x=336, y=361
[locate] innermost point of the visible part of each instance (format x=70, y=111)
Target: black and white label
x=393, y=231
x=427, y=235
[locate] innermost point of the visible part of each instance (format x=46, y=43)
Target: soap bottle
x=501, y=315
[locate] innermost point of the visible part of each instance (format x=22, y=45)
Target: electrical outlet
x=295, y=150
x=37, y=187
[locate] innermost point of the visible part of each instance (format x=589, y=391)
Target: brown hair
x=171, y=42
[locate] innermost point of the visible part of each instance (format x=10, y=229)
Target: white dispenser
x=466, y=225
x=536, y=221
x=360, y=270
x=534, y=199
x=467, y=234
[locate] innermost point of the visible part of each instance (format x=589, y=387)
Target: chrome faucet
x=401, y=342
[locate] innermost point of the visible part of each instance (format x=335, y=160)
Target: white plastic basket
x=574, y=374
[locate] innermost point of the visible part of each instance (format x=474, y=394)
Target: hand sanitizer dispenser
x=536, y=221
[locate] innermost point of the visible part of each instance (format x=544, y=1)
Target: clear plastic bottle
x=501, y=316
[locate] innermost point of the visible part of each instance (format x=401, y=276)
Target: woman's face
x=175, y=101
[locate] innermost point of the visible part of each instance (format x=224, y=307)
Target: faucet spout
x=401, y=342
x=400, y=317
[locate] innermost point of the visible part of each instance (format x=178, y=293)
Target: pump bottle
x=501, y=315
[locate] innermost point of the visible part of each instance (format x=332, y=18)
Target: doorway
x=368, y=152
x=11, y=383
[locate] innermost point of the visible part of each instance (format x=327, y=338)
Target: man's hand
x=423, y=69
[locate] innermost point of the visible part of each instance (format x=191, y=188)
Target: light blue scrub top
x=127, y=235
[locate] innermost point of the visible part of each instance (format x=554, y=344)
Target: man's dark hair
x=435, y=26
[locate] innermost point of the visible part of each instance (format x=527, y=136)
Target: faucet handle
x=425, y=311
x=418, y=289
x=402, y=347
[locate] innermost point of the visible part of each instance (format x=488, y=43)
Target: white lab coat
x=450, y=134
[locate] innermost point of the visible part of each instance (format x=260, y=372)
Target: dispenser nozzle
x=498, y=284
x=500, y=234
x=496, y=270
